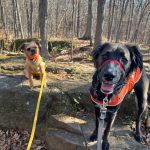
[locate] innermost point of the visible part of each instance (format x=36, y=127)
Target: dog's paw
x=31, y=88
x=93, y=137
x=105, y=146
x=138, y=138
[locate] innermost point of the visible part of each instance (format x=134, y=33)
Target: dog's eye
x=124, y=60
x=28, y=49
x=105, y=56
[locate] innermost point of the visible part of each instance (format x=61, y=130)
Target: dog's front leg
x=110, y=120
x=31, y=80
x=93, y=137
x=28, y=75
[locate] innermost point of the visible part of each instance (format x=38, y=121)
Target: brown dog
x=34, y=66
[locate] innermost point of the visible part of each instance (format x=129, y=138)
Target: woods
x=124, y=20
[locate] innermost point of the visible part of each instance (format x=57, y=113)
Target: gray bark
x=78, y=18
x=100, y=17
x=87, y=34
x=31, y=19
x=19, y=19
x=3, y=18
x=144, y=10
x=123, y=11
x=43, y=27
x=110, y=18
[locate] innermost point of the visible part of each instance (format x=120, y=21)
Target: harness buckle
x=103, y=110
x=105, y=101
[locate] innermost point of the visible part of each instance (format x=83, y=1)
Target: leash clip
x=103, y=110
x=105, y=101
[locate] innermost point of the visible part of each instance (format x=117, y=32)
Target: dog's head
x=31, y=49
x=114, y=63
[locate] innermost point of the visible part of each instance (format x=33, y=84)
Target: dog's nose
x=33, y=52
x=109, y=76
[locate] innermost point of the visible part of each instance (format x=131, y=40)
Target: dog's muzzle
x=111, y=72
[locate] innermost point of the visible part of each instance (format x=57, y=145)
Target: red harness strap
x=118, y=98
x=113, y=60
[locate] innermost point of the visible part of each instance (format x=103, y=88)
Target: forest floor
x=59, y=69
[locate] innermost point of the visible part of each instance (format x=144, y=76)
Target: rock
x=63, y=140
x=67, y=123
x=121, y=137
x=18, y=102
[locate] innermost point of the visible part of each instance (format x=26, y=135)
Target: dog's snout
x=33, y=51
x=109, y=76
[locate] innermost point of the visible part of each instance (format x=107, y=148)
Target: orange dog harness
x=117, y=99
x=36, y=57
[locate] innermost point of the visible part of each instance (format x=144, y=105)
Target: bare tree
x=87, y=34
x=19, y=18
x=78, y=17
x=123, y=11
x=130, y=19
x=110, y=18
x=144, y=8
x=3, y=18
x=43, y=27
x=31, y=18
x=124, y=20
x=100, y=17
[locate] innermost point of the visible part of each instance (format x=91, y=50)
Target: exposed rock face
x=63, y=132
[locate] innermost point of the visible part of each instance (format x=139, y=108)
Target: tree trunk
x=130, y=19
x=14, y=20
x=123, y=11
x=100, y=17
x=145, y=27
x=19, y=19
x=28, y=20
x=57, y=16
x=110, y=18
x=3, y=18
x=73, y=26
x=31, y=19
x=87, y=34
x=78, y=18
x=144, y=10
x=43, y=27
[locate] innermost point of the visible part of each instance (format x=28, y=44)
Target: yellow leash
x=36, y=113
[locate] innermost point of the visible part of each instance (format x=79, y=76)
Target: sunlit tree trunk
x=100, y=17
x=43, y=4
x=87, y=34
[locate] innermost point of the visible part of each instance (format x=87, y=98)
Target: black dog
x=119, y=69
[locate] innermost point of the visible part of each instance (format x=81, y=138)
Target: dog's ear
x=97, y=52
x=136, y=57
x=39, y=45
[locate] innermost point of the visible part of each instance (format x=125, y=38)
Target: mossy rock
x=17, y=43
x=55, y=47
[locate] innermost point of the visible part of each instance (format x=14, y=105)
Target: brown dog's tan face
x=31, y=49
x=113, y=63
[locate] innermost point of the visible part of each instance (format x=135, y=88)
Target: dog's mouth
x=107, y=88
